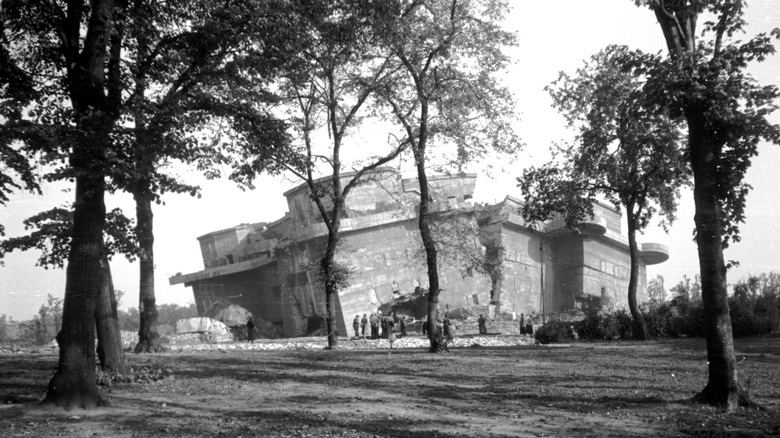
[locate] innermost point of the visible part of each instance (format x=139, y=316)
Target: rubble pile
x=355, y=344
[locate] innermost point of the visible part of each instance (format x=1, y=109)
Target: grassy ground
x=582, y=389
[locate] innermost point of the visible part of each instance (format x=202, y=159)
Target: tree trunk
x=73, y=384
x=436, y=338
x=109, y=349
x=331, y=288
x=723, y=385
x=640, y=328
x=148, y=338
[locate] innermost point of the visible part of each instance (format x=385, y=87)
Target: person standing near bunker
x=389, y=323
x=449, y=331
x=383, y=325
x=522, y=324
x=374, y=322
x=250, y=330
x=356, y=325
x=363, y=324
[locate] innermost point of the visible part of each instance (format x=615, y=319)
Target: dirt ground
x=581, y=389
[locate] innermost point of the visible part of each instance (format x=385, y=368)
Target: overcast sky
x=555, y=35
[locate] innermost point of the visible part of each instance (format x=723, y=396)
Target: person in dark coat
x=522, y=324
x=482, y=325
x=373, y=320
x=250, y=330
x=402, y=326
x=356, y=325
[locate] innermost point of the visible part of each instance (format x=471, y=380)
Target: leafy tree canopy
x=51, y=236
x=705, y=80
x=627, y=148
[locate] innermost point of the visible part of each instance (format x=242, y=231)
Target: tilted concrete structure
x=271, y=269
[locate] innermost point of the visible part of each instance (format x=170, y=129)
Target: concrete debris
x=232, y=315
x=213, y=330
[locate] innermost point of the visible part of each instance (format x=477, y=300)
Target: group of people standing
x=381, y=326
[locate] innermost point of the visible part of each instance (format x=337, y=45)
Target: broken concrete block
x=216, y=330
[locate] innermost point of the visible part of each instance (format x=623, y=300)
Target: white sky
x=555, y=35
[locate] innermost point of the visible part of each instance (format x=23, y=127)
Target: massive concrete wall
x=380, y=244
x=522, y=271
x=565, y=256
x=606, y=273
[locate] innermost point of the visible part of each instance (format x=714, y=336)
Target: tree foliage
x=45, y=325
x=711, y=77
x=755, y=305
x=626, y=150
x=51, y=231
x=656, y=291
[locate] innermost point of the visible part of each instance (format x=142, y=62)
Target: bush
x=598, y=327
x=624, y=324
x=680, y=317
x=554, y=331
x=750, y=315
x=752, y=307
x=606, y=326
x=659, y=320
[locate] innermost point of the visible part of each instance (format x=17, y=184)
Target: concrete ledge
x=205, y=274
x=654, y=253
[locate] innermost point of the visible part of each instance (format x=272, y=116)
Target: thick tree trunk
x=722, y=387
x=148, y=338
x=73, y=384
x=640, y=328
x=723, y=384
x=109, y=349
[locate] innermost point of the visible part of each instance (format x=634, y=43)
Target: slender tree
x=706, y=83
x=340, y=72
x=449, y=52
x=627, y=150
